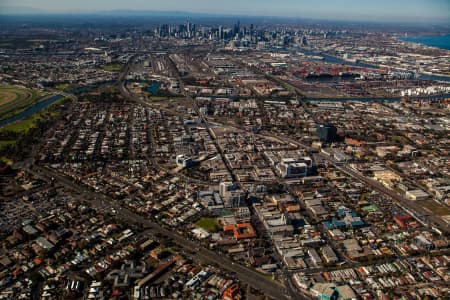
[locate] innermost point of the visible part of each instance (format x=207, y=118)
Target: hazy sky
x=401, y=10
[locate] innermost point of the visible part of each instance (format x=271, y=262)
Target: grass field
x=3, y=145
x=7, y=96
x=9, y=93
x=14, y=135
x=113, y=67
x=26, y=124
x=152, y=98
x=22, y=126
x=14, y=99
x=156, y=98
x=63, y=87
x=208, y=224
x=6, y=143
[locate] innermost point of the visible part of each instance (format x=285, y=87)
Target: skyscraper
x=237, y=28
x=221, y=32
x=327, y=132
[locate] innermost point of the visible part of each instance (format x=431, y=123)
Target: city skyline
x=435, y=11
x=232, y=150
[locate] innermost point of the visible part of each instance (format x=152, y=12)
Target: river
x=154, y=87
x=44, y=103
x=337, y=60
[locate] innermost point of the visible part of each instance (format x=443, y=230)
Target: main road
x=249, y=276
x=410, y=206
x=291, y=290
x=413, y=208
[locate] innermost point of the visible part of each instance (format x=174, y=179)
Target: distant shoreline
x=441, y=41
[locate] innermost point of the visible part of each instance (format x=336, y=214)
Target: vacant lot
x=435, y=208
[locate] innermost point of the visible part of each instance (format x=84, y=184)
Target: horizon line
x=176, y=13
